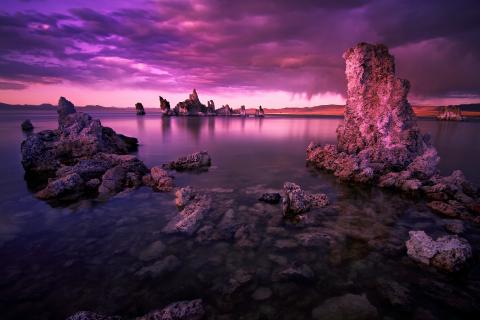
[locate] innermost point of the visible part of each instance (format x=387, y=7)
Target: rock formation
x=165, y=107
x=379, y=141
x=210, y=108
x=259, y=112
x=80, y=158
x=450, y=113
x=140, y=109
x=297, y=201
x=243, y=112
x=224, y=111
x=27, y=126
x=192, y=106
x=448, y=253
x=194, y=161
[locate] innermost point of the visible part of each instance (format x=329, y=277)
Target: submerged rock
x=297, y=201
x=181, y=310
x=197, y=160
x=379, y=141
x=87, y=315
x=79, y=157
x=261, y=294
x=273, y=197
x=188, y=219
x=183, y=196
x=448, y=253
x=139, y=108
x=347, y=307
x=27, y=125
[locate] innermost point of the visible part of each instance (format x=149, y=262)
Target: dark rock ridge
x=450, y=113
x=191, y=106
x=165, y=107
x=379, y=141
x=448, y=253
x=80, y=158
x=27, y=126
x=194, y=161
x=225, y=111
x=139, y=108
x=181, y=310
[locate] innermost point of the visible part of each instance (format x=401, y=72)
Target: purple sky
x=275, y=53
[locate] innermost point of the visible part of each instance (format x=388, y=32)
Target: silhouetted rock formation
x=27, y=125
x=243, y=112
x=379, y=141
x=450, y=113
x=80, y=158
x=448, y=253
x=165, y=107
x=210, y=107
x=224, y=111
x=140, y=109
x=197, y=160
x=192, y=106
x=259, y=112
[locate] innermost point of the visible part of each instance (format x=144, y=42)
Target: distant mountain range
x=468, y=110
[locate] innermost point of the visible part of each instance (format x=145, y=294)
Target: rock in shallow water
x=297, y=201
x=197, y=160
x=27, y=125
x=347, y=307
x=80, y=149
x=448, y=253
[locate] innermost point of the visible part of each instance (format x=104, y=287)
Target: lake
x=111, y=257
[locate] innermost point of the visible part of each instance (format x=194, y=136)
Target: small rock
x=160, y=268
x=161, y=181
x=296, y=272
x=183, y=196
x=272, y=198
x=198, y=160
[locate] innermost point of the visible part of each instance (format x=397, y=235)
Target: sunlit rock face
x=191, y=106
x=379, y=141
x=379, y=133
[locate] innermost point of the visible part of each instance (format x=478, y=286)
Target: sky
x=275, y=53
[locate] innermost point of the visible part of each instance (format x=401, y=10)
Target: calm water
x=94, y=256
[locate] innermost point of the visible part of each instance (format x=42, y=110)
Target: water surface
x=94, y=255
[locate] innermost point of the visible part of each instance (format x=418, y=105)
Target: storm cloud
x=292, y=46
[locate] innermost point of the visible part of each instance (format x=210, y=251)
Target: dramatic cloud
x=238, y=46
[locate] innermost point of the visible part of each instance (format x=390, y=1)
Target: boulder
x=160, y=180
x=183, y=196
x=448, y=253
x=188, y=220
x=194, y=161
x=297, y=201
x=70, y=185
x=27, y=125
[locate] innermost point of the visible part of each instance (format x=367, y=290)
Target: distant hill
x=468, y=110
